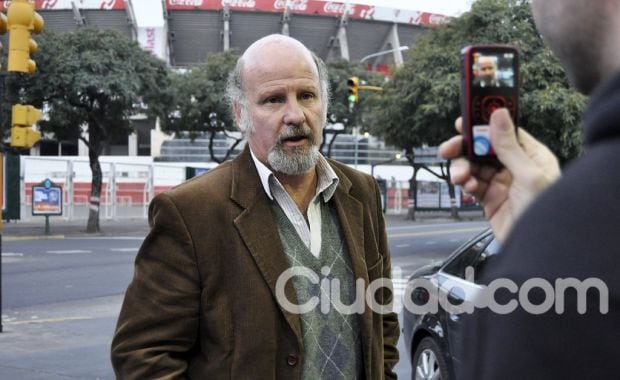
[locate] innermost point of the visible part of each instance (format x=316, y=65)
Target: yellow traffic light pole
x=22, y=20
x=1, y=225
x=354, y=88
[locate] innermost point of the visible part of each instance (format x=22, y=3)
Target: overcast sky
x=446, y=7
x=148, y=12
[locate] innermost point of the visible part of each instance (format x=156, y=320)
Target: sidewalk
x=60, y=228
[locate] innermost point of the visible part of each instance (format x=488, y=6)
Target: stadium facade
x=185, y=32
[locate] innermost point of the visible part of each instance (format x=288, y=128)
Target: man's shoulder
x=214, y=181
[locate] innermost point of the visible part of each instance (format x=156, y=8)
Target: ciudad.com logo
x=456, y=296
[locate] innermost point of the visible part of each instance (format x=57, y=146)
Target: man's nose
x=294, y=113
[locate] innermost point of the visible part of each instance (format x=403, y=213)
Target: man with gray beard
x=260, y=267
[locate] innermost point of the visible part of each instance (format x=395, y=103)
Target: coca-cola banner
x=66, y=4
x=314, y=7
x=153, y=40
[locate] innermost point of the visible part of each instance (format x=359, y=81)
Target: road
x=61, y=297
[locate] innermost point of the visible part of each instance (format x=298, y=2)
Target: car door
x=458, y=288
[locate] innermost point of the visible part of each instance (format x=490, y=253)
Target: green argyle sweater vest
x=331, y=340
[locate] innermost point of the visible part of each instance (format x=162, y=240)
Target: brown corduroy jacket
x=202, y=303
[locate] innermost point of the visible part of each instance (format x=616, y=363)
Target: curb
x=36, y=237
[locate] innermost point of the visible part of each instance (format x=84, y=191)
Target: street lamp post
x=356, y=145
x=372, y=166
x=380, y=53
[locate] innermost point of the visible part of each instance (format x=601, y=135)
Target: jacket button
x=292, y=360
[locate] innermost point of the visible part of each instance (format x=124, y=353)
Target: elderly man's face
x=486, y=70
x=284, y=110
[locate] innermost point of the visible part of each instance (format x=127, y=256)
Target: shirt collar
x=326, y=184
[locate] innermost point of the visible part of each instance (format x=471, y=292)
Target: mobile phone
x=490, y=80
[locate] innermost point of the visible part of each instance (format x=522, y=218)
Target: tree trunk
x=95, y=195
x=95, y=148
x=413, y=195
x=454, y=211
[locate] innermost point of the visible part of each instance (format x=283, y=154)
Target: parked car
x=434, y=337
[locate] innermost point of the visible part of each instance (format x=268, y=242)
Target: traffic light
x=354, y=86
x=22, y=134
x=3, y=28
x=22, y=20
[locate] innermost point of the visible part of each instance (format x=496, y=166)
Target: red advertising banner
x=66, y=4
x=307, y=7
x=314, y=7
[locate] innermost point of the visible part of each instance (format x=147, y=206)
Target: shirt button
x=292, y=360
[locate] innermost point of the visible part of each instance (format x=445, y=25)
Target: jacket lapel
x=351, y=215
x=259, y=232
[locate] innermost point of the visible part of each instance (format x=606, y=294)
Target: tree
x=340, y=71
x=200, y=104
x=421, y=102
x=90, y=82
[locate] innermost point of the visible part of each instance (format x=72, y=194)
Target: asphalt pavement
x=70, y=340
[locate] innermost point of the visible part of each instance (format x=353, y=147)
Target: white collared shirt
x=310, y=232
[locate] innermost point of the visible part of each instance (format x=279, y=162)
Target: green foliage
x=421, y=102
x=200, y=103
x=93, y=79
x=339, y=71
x=96, y=78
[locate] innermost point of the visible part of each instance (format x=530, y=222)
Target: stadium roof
x=192, y=29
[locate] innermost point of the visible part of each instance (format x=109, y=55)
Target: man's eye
x=274, y=99
x=307, y=96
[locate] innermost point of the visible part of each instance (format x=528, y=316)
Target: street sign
x=46, y=199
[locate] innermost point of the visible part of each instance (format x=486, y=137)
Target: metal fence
x=129, y=187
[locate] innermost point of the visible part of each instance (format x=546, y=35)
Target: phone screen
x=491, y=82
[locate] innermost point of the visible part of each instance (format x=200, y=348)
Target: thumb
x=505, y=143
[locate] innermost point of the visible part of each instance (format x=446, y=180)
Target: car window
x=481, y=262
x=467, y=258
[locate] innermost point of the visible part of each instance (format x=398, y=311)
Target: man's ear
x=237, y=114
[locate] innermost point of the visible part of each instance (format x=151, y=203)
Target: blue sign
x=46, y=199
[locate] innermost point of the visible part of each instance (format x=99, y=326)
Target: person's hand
x=529, y=168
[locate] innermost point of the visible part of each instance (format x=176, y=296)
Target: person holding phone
x=554, y=228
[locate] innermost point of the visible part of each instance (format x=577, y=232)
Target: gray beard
x=297, y=160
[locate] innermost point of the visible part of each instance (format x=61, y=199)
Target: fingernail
x=504, y=121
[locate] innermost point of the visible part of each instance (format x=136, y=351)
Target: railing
x=128, y=188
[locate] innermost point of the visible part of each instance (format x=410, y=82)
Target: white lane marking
x=70, y=252
x=431, y=233
x=431, y=243
x=12, y=254
x=12, y=321
x=108, y=238
x=133, y=249
x=434, y=226
x=403, y=245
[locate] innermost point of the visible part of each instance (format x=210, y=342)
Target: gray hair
x=235, y=92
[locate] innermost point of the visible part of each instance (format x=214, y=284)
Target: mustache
x=296, y=131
